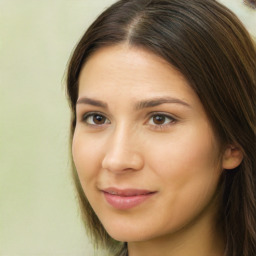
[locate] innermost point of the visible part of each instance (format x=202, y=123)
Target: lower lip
x=126, y=202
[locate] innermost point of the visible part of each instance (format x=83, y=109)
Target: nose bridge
x=122, y=150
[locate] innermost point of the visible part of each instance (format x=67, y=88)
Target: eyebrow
x=93, y=102
x=139, y=105
x=158, y=101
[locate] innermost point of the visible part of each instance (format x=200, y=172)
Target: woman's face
x=144, y=149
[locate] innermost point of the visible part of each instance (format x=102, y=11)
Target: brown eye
x=95, y=119
x=98, y=119
x=159, y=119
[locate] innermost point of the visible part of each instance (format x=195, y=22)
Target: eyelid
x=173, y=120
x=92, y=113
x=161, y=113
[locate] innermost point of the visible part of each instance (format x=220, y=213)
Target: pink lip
x=126, y=198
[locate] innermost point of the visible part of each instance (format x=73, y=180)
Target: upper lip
x=127, y=192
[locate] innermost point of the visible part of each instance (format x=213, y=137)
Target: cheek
x=86, y=155
x=187, y=151
x=188, y=168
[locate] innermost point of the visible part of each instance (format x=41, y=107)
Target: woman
x=162, y=94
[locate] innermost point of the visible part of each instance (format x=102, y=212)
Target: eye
x=95, y=119
x=161, y=120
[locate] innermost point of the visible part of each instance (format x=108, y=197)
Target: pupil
x=159, y=119
x=97, y=119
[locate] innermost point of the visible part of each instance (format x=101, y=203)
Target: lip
x=123, y=199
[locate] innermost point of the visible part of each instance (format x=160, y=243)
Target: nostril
x=131, y=161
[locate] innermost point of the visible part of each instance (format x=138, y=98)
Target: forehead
x=136, y=70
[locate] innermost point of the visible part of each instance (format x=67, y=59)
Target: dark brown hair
x=208, y=44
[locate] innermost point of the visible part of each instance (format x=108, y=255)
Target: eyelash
x=166, y=123
x=171, y=121
x=86, y=116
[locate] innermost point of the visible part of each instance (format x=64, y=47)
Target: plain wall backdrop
x=38, y=212
x=39, y=215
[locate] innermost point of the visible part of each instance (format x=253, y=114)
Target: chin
x=128, y=234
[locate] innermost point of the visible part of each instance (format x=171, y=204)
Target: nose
x=122, y=152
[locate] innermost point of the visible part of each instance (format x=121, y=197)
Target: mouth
x=123, y=199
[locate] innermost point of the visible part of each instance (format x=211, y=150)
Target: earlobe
x=232, y=157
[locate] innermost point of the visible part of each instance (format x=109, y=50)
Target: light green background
x=38, y=211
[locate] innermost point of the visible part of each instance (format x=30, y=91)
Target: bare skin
x=141, y=126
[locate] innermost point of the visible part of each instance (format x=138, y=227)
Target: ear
x=232, y=157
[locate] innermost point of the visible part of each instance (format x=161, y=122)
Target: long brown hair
x=208, y=44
